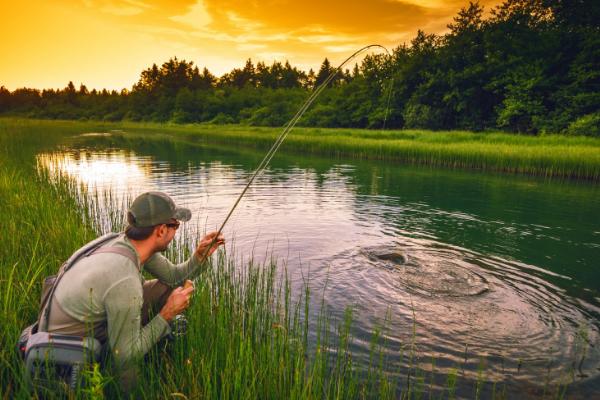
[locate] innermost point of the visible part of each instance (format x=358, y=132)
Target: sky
x=107, y=43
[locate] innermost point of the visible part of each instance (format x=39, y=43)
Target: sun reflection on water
x=120, y=171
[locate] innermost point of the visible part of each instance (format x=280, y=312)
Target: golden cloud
x=117, y=38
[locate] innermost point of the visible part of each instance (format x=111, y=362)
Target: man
x=105, y=295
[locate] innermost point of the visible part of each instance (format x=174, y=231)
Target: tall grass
x=41, y=226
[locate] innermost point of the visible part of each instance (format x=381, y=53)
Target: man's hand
x=202, y=251
x=178, y=301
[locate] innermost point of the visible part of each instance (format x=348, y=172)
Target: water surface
x=500, y=274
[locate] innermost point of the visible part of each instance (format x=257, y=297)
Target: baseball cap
x=154, y=208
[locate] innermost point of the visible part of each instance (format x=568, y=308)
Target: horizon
x=117, y=39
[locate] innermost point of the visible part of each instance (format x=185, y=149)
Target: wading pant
x=156, y=294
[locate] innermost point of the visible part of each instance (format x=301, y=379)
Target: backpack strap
x=88, y=249
x=117, y=250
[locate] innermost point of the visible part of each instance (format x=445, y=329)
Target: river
x=499, y=274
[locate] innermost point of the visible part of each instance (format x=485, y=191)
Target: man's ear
x=159, y=230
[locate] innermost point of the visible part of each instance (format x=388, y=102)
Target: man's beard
x=163, y=247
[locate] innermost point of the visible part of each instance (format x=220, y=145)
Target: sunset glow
x=107, y=43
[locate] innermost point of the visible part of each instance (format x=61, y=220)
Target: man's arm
x=176, y=274
x=172, y=274
x=128, y=340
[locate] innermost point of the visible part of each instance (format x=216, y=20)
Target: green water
x=533, y=244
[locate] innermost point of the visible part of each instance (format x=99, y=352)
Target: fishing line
x=287, y=128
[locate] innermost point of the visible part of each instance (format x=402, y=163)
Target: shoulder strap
x=117, y=250
x=89, y=248
x=86, y=250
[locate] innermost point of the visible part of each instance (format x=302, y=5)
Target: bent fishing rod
x=286, y=129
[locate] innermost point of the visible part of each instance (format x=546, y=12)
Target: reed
x=557, y=156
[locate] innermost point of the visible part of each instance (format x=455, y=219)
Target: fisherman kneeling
x=103, y=293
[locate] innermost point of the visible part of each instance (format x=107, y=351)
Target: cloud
x=332, y=24
x=120, y=37
x=347, y=48
x=272, y=56
x=348, y=16
x=128, y=10
x=250, y=46
x=324, y=38
x=197, y=17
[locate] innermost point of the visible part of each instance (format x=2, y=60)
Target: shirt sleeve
x=172, y=274
x=128, y=340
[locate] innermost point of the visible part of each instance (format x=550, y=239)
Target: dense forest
x=531, y=66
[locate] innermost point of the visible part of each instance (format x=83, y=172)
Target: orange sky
x=107, y=43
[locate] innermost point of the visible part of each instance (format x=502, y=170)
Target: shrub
x=588, y=125
x=222, y=119
x=422, y=116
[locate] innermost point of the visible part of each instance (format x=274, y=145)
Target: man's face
x=166, y=234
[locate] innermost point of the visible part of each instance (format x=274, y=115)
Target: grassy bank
x=552, y=156
x=42, y=225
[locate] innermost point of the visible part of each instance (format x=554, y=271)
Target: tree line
x=531, y=66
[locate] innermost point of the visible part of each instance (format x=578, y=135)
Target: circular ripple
x=460, y=306
x=427, y=273
x=442, y=278
x=388, y=256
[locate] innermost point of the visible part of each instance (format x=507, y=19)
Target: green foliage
x=321, y=115
x=221, y=119
x=588, y=125
x=522, y=104
x=94, y=382
x=43, y=226
x=423, y=116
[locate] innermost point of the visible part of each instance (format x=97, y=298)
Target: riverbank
x=550, y=156
x=42, y=225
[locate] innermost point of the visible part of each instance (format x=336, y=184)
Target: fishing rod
x=286, y=129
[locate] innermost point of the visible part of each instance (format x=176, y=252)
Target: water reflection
x=523, y=250
x=118, y=170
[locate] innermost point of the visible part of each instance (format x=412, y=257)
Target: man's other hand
x=177, y=302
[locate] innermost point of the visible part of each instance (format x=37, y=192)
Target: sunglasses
x=173, y=225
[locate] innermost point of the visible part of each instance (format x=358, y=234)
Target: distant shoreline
x=548, y=155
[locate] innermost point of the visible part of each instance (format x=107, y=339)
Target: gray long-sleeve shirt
x=104, y=291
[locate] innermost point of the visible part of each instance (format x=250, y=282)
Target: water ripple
x=494, y=309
